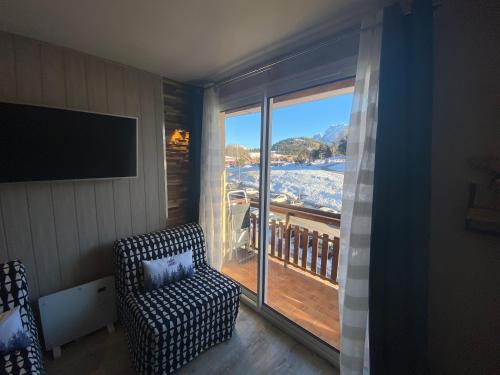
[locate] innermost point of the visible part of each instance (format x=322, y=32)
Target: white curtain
x=212, y=178
x=354, y=263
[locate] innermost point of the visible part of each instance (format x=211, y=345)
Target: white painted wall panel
x=64, y=231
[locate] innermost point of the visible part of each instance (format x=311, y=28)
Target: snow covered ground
x=318, y=184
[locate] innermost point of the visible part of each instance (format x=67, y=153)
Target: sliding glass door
x=242, y=132
x=309, y=131
x=297, y=178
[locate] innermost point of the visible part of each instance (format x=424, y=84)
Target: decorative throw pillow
x=12, y=334
x=164, y=271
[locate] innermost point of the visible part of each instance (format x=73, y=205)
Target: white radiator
x=76, y=312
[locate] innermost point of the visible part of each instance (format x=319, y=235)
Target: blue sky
x=302, y=120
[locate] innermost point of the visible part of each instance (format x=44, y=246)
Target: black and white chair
x=168, y=327
x=14, y=292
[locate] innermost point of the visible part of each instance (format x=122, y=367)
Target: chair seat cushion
x=178, y=309
x=24, y=361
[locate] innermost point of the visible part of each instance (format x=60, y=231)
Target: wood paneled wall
x=182, y=106
x=64, y=231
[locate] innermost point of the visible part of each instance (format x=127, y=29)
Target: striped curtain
x=212, y=178
x=354, y=263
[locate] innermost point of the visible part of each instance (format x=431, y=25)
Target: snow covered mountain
x=334, y=133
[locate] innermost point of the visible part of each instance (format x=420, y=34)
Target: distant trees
x=308, y=155
x=239, y=153
x=339, y=148
x=304, y=156
x=314, y=154
x=322, y=152
x=294, y=146
x=342, y=146
x=303, y=150
x=334, y=149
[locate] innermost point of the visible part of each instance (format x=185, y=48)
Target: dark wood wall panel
x=63, y=231
x=178, y=107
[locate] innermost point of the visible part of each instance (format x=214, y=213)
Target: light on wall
x=179, y=137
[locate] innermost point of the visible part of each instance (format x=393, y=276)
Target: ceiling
x=185, y=40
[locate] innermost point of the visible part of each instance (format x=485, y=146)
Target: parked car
x=279, y=198
x=296, y=202
x=328, y=209
x=251, y=191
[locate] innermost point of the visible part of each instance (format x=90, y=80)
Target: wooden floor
x=257, y=347
x=303, y=298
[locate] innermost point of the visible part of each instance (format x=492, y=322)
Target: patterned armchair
x=14, y=292
x=168, y=327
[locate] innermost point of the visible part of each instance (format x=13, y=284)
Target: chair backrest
x=14, y=292
x=130, y=252
x=239, y=216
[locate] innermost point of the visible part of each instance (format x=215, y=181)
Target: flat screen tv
x=44, y=144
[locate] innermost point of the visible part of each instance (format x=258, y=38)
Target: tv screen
x=42, y=144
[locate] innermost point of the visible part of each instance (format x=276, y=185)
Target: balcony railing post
x=296, y=243
x=254, y=231
x=287, y=245
x=280, y=240
x=335, y=259
x=305, y=247
x=314, y=258
x=324, y=254
x=273, y=237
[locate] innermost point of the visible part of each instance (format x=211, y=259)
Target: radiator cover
x=76, y=312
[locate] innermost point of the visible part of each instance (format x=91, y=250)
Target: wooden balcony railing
x=302, y=232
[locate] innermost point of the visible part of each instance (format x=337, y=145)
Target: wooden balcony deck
x=306, y=299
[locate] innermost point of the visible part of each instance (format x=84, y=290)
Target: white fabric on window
x=212, y=178
x=357, y=197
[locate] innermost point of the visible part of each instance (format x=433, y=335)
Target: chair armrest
x=13, y=285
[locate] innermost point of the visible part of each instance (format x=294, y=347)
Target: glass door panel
x=242, y=131
x=309, y=133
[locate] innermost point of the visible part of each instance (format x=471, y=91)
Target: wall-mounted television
x=44, y=144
